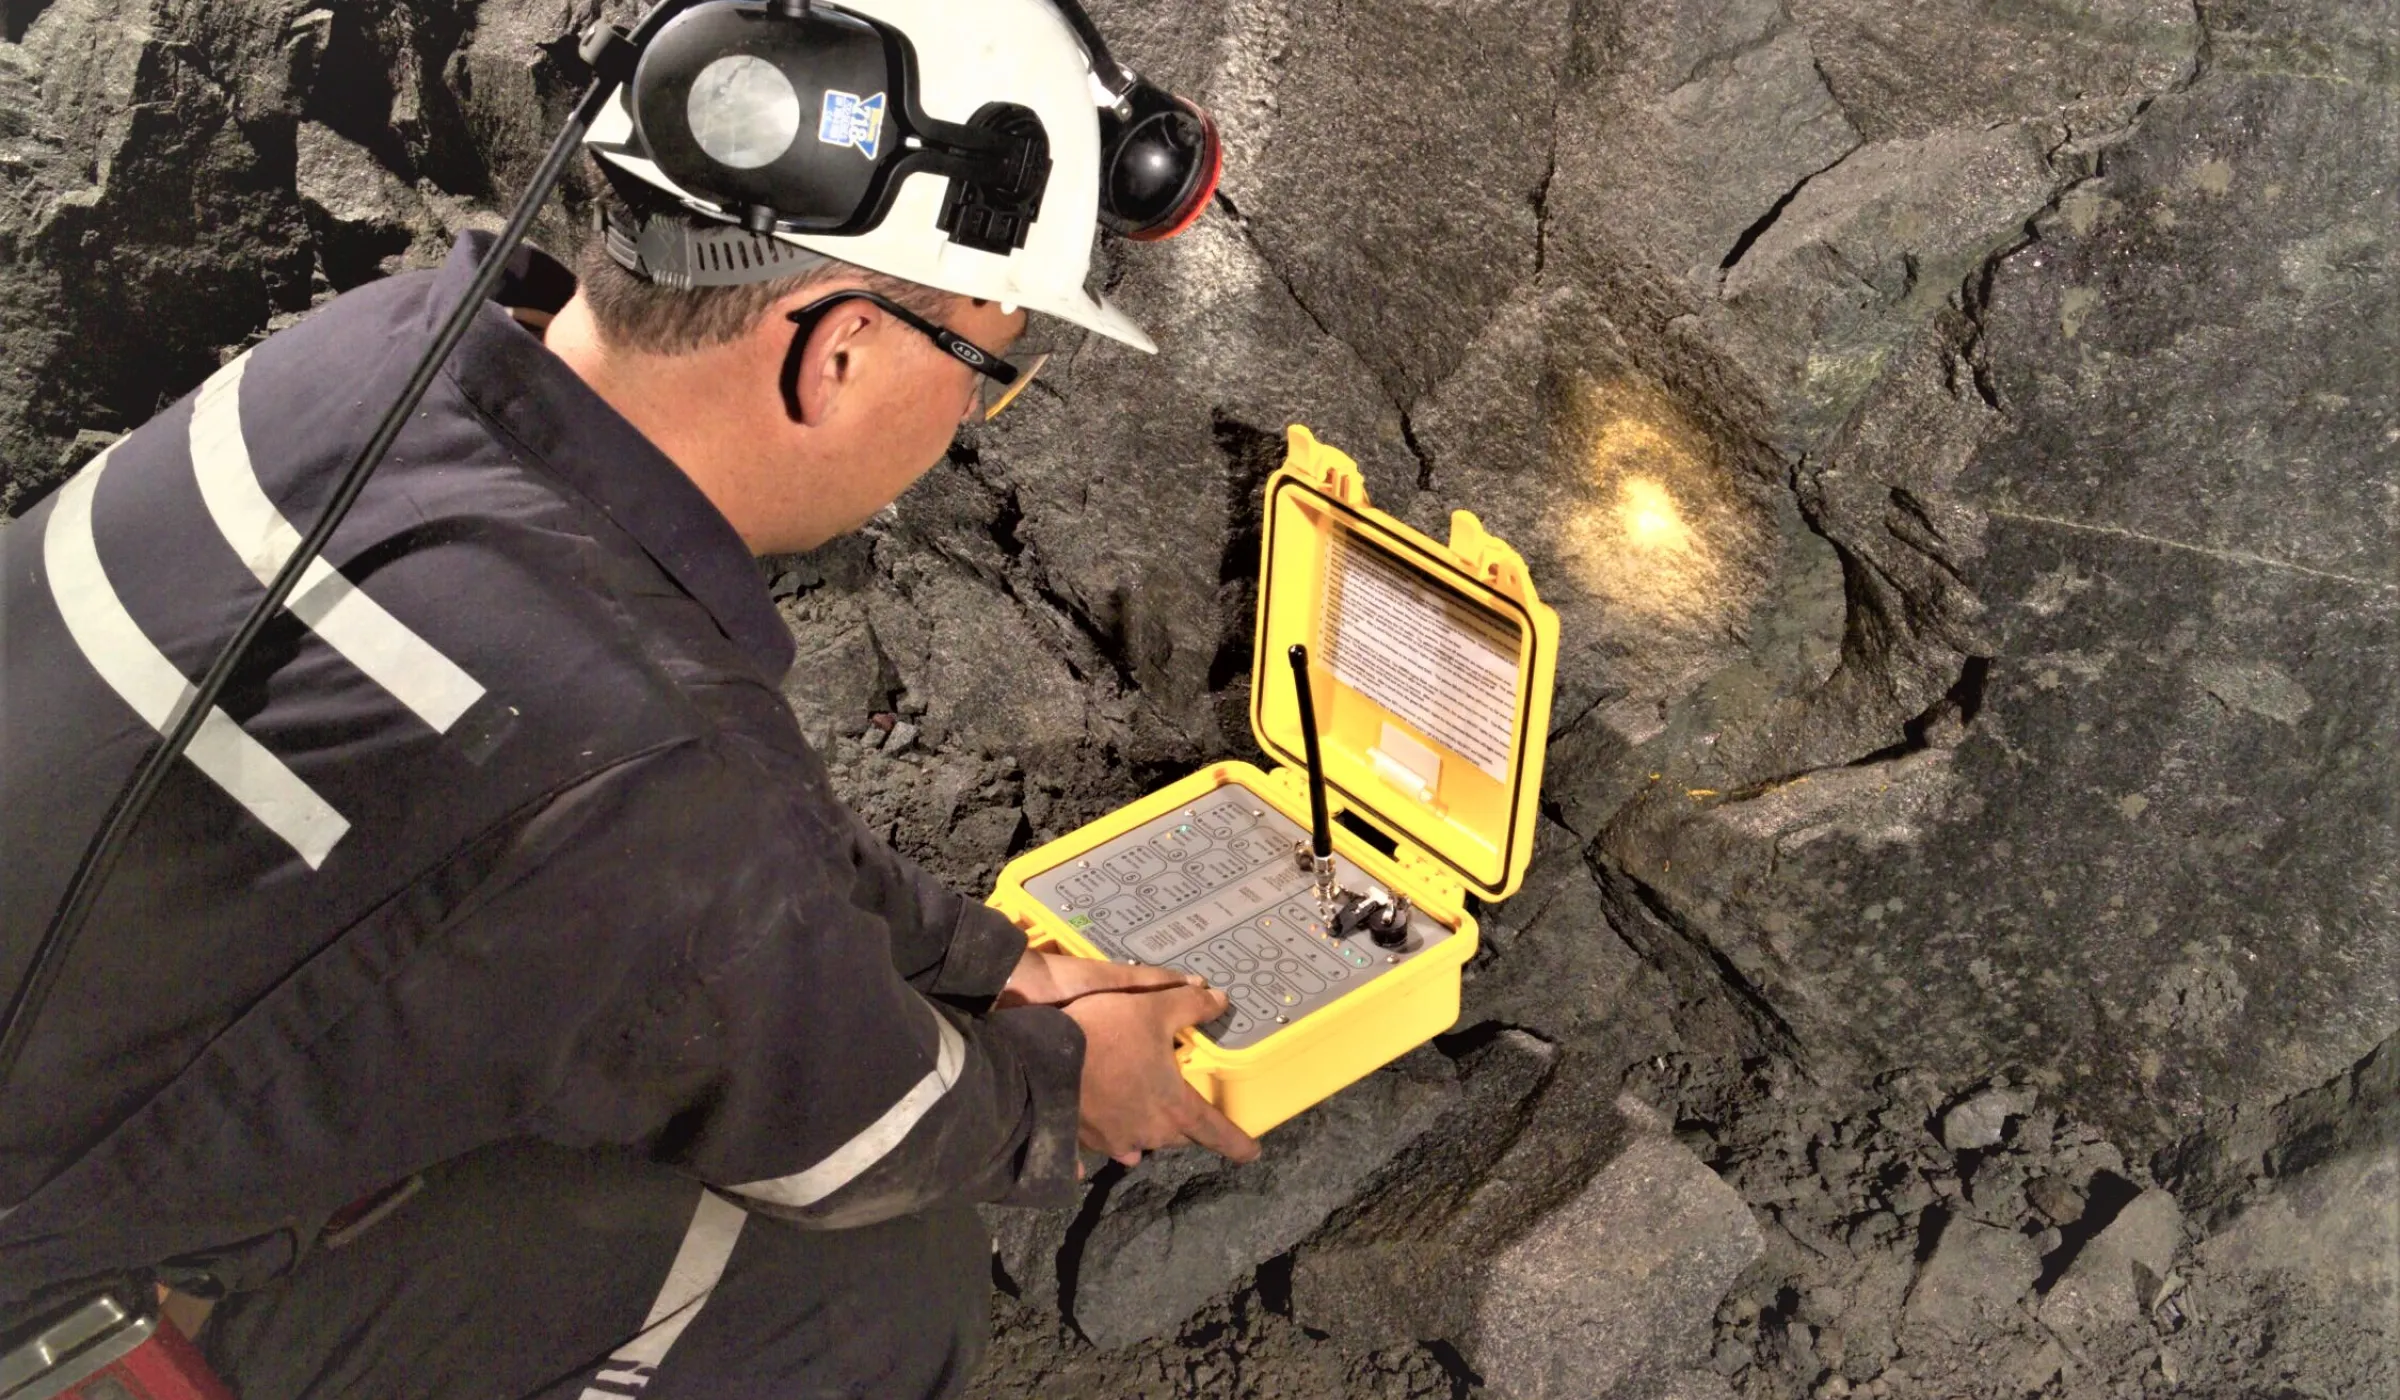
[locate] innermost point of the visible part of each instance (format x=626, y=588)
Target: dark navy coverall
x=502, y=861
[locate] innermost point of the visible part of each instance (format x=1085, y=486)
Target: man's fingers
x=1192, y=1006
x=1204, y=1125
x=1067, y=977
x=1096, y=976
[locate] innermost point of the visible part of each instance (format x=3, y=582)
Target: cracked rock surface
x=1959, y=438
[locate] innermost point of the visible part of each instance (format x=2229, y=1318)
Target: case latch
x=1328, y=471
x=1489, y=561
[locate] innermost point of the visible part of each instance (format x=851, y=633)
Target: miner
x=497, y=1000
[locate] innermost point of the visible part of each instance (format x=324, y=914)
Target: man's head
x=976, y=149
x=873, y=402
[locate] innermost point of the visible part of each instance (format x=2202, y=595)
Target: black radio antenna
x=1320, y=850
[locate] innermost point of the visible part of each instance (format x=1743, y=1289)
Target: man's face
x=898, y=406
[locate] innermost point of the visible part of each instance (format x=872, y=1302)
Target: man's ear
x=828, y=357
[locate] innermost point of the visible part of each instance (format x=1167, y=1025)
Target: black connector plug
x=1382, y=918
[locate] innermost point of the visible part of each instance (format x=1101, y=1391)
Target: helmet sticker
x=743, y=111
x=849, y=121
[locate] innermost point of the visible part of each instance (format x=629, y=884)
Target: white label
x=1443, y=665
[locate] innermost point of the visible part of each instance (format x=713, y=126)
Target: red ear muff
x=1158, y=165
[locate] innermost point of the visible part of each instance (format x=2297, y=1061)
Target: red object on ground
x=166, y=1366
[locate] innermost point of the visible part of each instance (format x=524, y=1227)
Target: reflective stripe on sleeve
x=847, y=1161
x=145, y=679
x=353, y=624
x=707, y=1244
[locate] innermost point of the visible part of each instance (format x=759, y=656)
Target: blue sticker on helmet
x=851, y=121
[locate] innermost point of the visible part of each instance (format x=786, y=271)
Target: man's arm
x=943, y=943
x=734, y=1006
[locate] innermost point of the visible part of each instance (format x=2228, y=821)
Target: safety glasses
x=1001, y=381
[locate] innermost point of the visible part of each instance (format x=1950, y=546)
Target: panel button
x=1217, y=973
x=1257, y=944
x=1259, y=848
x=1226, y=818
x=1321, y=955
x=1121, y=915
x=1084, y=887
x=1231, y=1029
x=1282, y=993
x=1308, y=982
x=1170, y=889
x=1179, y=843
x=1134, y=865
x=1219, y=867
x=1302, y=914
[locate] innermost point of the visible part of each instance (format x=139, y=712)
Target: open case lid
x=1430, y=666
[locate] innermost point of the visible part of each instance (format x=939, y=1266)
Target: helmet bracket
x=994, y=215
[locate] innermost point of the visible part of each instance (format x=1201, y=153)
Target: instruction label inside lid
x=1425, y=654
x=1431, y=666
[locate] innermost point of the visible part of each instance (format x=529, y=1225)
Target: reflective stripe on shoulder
x=353, y=624
x=144, y=678
x=845, y=1163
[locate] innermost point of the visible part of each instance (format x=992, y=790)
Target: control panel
x=1214, y=888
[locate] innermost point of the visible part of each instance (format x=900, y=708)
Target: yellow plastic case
x=1456, y=823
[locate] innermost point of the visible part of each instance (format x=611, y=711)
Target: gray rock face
x=1970, y=1284
x=1480, y=83
x=1566, y=1245
x=2168, y=745
x=1614, y=1290
x=2334, y=1231
x=1863, y=257
x=1978, y=1121
x=1179, y=1230
x=1957, y=64
x=2120, y=1273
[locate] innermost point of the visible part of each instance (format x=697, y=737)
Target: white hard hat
x=973, y=148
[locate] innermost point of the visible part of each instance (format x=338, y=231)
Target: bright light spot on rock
x=1651, y=520
x=1642, y=539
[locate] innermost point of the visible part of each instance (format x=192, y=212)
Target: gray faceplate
x=1213, y=889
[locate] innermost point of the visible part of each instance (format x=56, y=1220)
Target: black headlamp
x=1159, y=163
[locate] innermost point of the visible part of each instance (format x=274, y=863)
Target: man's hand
x=1054, y=979
x=1134, y=1095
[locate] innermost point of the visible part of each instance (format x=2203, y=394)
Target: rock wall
x=1959, y=439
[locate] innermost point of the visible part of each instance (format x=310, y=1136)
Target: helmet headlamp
x=1159, y=163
